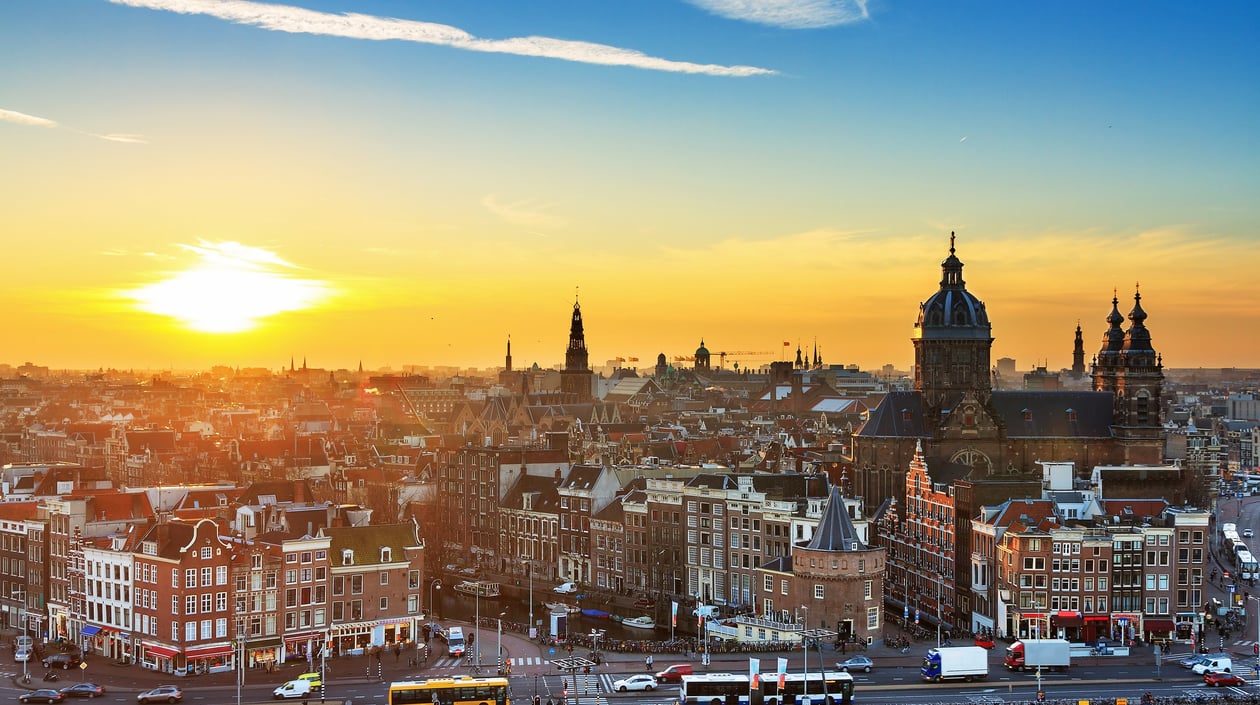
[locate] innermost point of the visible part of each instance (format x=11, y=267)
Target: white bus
x=832, y=688
x=1247, y=565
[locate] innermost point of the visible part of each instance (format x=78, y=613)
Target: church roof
x=898, y=415
x=1055, y=413
x=835, y=528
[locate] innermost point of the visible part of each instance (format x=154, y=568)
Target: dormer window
x=1071, y=415
x=1027, y=414
x=347, y=556
x=386, y=554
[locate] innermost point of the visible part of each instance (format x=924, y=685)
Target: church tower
x=952, y=341
x=702, y=358
x=1133, y=372
x=1078, y=355
x=575, y=378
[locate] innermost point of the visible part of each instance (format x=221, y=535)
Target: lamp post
x=477, y=628
x=435, y=585
x=30, y=650
x=805, y=653
x=529, y=576
x=498, y=647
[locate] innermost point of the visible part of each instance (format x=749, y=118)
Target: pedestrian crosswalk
x=461, y=663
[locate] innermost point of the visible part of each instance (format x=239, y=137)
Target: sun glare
x=230, y=289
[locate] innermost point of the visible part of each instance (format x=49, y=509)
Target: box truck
x=967, y=663
x=1031, y=654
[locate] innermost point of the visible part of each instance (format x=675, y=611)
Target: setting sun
x=230, y=289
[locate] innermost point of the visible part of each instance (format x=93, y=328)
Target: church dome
x=953, y=312
x=702, y=351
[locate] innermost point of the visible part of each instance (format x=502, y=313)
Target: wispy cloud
x=35, y=121
x=523, y=213
x=789, y=14
x=24, y=119
x=115, y=137
x=298, y=20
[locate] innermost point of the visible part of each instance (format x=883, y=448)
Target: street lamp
x=498, y=647
x=805, y=653
x=30, y=650
x=529, y=575
x=435, y=585
x=477, y=628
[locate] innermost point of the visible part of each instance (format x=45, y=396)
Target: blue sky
x=813, y=149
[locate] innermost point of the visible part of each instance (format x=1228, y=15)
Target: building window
x=867, y=588
x=872, y=618
x=384, y=603
x=356, y=584
x=818, y=592
x=347, y=556
x=206, y=553
x=386, y=554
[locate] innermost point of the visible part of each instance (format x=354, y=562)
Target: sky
x=190, y=183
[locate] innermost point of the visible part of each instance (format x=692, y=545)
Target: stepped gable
x=835, y=530
x=1055, y=414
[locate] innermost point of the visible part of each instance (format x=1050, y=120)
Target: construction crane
x=740, y=353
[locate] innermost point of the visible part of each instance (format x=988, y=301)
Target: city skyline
x=195, y=183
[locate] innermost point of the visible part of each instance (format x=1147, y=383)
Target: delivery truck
x=1046, y=654
x=968, y=663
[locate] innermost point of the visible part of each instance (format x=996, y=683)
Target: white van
x=292, y=689
x=1215, y=663
x=454, y=641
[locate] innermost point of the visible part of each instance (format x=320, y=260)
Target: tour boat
x=561, y=607
x=643, y=622
x=486, y=591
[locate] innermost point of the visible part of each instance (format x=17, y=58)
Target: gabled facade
x=183, y=617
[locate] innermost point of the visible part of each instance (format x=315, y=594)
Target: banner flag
x=673, y=615
x=754, y=671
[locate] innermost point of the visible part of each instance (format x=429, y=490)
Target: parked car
x=639, y=682
x=565, y=588
x=161, y=694
x=62, y=660
x=856, y=663
x=23, y=653
x=43, y=695
x=1216, y=679
x=1248, y=533
x=83, y=690
x=645, y=602
x=674, y=673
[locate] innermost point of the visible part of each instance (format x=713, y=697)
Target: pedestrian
x=843, y=648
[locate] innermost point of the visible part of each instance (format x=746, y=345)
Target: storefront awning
x=90, y=630
x=1097, y=619
x=208, y=651
x=354, y=627
x=270, y=641
x=1069, y=619
x=303, y=636
x=160, y=651
x=1160, y=625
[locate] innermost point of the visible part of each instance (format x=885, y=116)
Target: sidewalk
x=356, y=669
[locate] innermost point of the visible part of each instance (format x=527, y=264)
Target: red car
x=1217, y=679
x=984, y=642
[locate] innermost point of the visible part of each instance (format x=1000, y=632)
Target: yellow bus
x=461, y=690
